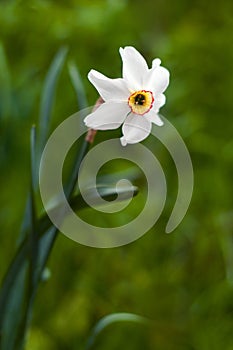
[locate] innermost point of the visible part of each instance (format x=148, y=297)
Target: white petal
x=157, y=80
x=109, y=115
x=109, y=89
x=156, y=62
x=159, y=101
x=135, y=129
x=134, y=67
x=123, y=141
x=153, y=117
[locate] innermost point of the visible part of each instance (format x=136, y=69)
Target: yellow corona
x=141, y=101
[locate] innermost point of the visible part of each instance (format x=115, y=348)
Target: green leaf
x=18, y=290
x=33, y=234
x=77, y=162
x=132, y=173
x=5, y=104
x=34, y=178
x=110, y=319
x=48, y=95
x=33, y=242
x=34, y=186
x=78, y=85
x=78, y=203
x=47, y=234
x=5, y=86
x=11, y=314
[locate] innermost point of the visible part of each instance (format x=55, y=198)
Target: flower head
x=133, y=100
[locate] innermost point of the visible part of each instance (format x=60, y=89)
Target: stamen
x=141, y=101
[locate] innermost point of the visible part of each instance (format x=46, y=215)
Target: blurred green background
x=182, y=281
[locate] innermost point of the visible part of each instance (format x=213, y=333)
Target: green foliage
x=183, y=281
x=111, y=319
x=48, y=93
x=38, y=234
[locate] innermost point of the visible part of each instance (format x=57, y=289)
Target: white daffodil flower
x=133, y=100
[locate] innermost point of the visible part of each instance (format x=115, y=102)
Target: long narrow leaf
x=33, y=242
x=18, y=294
x=110, y=319
x=5, y=86
x=44, y=224
x=33, y=167
x=33, y=234
x=48, y=95
x=78, y=85
x=78, y=203
x=47, y=100
x=34, y=184
x=11, y=316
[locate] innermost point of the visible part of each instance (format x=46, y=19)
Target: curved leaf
x=48, y=95
x=78, y=85
x=113, y=318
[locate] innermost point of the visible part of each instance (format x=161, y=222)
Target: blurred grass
x=182, y=281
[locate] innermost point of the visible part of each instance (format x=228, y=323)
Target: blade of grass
x=15, y=326
x=11, y=316
x=46, y=104
x=48, y=95
x=33, y=176
x=33, y=234
x=16, y=269
x=46, y=244
x=5, y=86
x=44, y=224
x=77, y=83
x=78, y=203
x=5, y=105
x=110, y=319
x=33, y=240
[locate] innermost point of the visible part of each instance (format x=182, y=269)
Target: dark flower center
x=139, y=99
